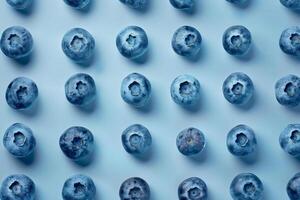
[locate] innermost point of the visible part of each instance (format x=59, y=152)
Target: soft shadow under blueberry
x=244, y=5
x=32, y=110
x=25, y=61
x=250, y=159
x=87, y=160
x=295, y=109
x=143, y=10
x=86, y=9
x=146, y=157
x=142, y=59
x=28, y=160
x=195, y=58
x=91, y=107
x=200, y=157
x=248, y=56
x=147, y=108
x=249, y=104
x=89, y=62
x=28, y=11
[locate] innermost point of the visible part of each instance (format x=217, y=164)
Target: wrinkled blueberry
x=238, y=88
x=21, y=93
x=246, y=186
x=136, y=90
x=78, y=4
x=190, y=141
x=186, y=41
x=192, y=188
x=136, y=4
x=290, y=40
x=289, y=139
x=132, y=42
x=79, y=187
x=237, y=40
x=291, y=4
x=80, y=89
x=17, y=187
x=16, y=42
x=293, y=187
x=78, y=44
x=19, y=140
x=134, y=189
x=77, y=143
x=185, y=90
x=136, y=139
x=241, y=141
x=20, y=4
x=287, y=90
x=183, y=4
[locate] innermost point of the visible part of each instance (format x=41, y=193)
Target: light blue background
x=166, y=168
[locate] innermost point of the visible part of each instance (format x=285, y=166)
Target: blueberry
x=290, y=40
x=289, y=139
x=238, y=88
x=136, y=139
x=17, y=187
x=16, y=42
x=237, y=40
x=78, y=44
x=238, y=2
x=190, y=141
x=21, y=93
x=132, y=42
x=291, y=4
x=287, y=90
x=80, y=89
x=134, y=189
x=293, y=187
x=183, y=4
x=20, y=4
x=136, y=4
x=78, y=4
x=77, y=143
x=19, y=140
x=185, y=90
x=136, y=90
x=246, y=186
x=241, y=141
x=186, y=41
x=192, y=188
x=79, y=187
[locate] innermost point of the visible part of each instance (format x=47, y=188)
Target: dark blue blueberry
x=136, y=4
x=16, y=42
x=293, y=187
x=290, y=40
x=185, y=90
x=290, y=139
x=19, y=140
x=77, y=143
x=190, y=141
x=136, y=90
x=238, y=88
x=20, y=4
x=21, y=93
x=183, y=4
x=241, y=141
x=134, y=189
x=238, y=2
x=78, y=44
x=79, y=187
x=291, y=4
x=80, y=89
x=17, y=187
x=192, y=188
x=246, y=186
x=132, y=42
x=78, y=4
x=136, y=139
x=186, y=41
x=287, y=90
x=237, y=40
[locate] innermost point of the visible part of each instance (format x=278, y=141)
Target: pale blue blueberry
x=238, y=88
x=241, y=141
x=183, y=4
x=136, y=139
x=287, y=90
x=289, y=41
x=19, y=140
x=192, y=188
x=246, y=186
x=132, y=42
x=237, y=40
x=79, y=187
x=136, y=4
x=20, y=4
x=185, y=90
x=16, y=42
x=190, y=141
x=78, y=4
x=289, y=139
x=21, y=93
x=77, y=143
x=80, y=89
x=17, y=187
x=291, y=4
x=136, y=90
x=134, y=189
x=293, y=187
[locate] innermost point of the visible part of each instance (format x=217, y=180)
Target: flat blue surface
x=166, y=167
